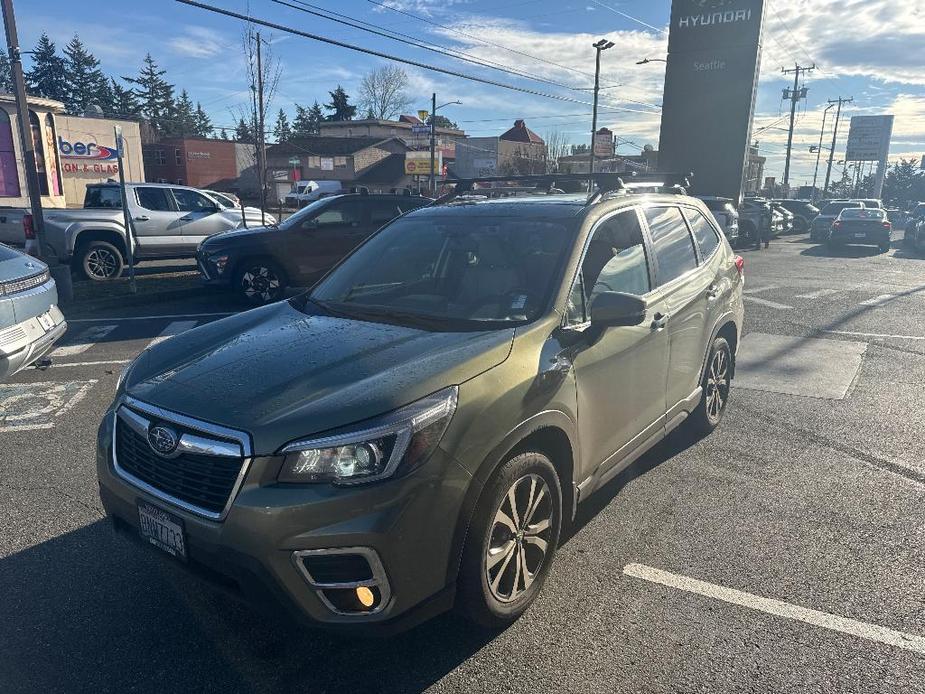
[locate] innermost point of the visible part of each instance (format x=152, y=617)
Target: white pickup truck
x=169, y=221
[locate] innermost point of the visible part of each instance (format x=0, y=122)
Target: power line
x=627, y=16
x=417, y=43
x=479, y=39
x=378, y=54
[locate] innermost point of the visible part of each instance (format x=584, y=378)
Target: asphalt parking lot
x=785, y=552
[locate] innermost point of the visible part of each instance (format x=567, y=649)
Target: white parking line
x=167, y=317
x=779, y=608
x=878, y=300
x=91, y=363
x=884, y=335
x=174, y=328
x=818, y=294
x=763, y=288
x=766, y=302
x=88, y=338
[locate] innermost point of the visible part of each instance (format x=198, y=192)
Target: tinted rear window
x=674, y=247
x=858, y=213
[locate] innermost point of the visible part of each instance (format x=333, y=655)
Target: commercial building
x=754, y=170
x=519, y=150
x=374, y=162
x=87, y=152
x=645, y=161
x=70, y=152
x=410, y=129
x=192, y=161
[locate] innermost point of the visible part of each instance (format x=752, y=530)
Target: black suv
x=416, y=431
x=259, y=263
x=803, y=211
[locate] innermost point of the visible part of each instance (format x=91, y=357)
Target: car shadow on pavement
x=91, y=611
x=842, y=251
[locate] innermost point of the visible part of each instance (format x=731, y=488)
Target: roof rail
x=606, y=182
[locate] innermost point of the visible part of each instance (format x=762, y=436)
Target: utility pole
x=261, y=138
x=433, y=142
x=599, y=46
x=828, y=172
x=60, y=273
x=825, y=114
x=795, y=95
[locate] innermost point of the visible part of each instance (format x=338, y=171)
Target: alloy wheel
x=519, y=538
x=101, y=263
x=717, y=385
x=261, y=283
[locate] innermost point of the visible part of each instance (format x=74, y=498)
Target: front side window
x=382, y=211
x=153, y=199
x=348, y=213
x=615, y=260
x=703, y=232
x=674, y=247
x=451, y=270
x=191, y=201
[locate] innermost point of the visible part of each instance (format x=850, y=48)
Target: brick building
x=192, y=161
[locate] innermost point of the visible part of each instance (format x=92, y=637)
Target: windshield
x=859, y=213
x=307, y=212
x=454, y=270
x=222, y=200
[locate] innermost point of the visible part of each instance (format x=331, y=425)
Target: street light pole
x=599, y=46
x=828, y=173
x=433, y=137
x=825, y=114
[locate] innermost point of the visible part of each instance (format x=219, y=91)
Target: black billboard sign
x=714, y=53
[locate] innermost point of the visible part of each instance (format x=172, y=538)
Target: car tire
x=716, y=385
x=510, y=550
x=260, y=281
x=100, y=261
x=885, y=247
x=800, y=225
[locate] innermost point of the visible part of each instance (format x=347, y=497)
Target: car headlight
x=401, y=440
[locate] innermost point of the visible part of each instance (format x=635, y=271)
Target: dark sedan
x=865, y=226
x=259, y=264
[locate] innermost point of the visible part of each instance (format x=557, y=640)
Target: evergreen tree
x=48, y=75
x=307, y=120
x=243, y=131
x=340, y=106
x=183, y=117
x=155, y=95
x=282, y=130
x=224, y=134
x=444, y=122
x=315, y=117
x=6, y=74
x=369, y=114
x=86, y=84
x=124, y=103
x=204, y=126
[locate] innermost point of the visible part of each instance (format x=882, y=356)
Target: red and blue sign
x=86, y=150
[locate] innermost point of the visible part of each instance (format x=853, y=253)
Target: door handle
x=142, y=218
x=660, y=320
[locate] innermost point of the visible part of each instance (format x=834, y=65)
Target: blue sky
x=868, y=49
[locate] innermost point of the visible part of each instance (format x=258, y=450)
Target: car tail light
x=740, y=265
x=28, y=227
x=836, y=225
x=887, y=225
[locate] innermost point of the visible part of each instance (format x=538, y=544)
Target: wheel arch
x=727, y=328
x=85, y=236
x=550, y=432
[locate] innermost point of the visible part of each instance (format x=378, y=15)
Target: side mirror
x=611, y=309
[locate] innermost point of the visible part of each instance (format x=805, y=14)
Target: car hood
x=237, y=235
x=281, y=374
x=15, y=265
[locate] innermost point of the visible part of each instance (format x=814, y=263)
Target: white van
x=305, y=192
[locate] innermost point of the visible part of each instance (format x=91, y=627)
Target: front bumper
x=27, y=342
x=407, y=523
x=209, y=273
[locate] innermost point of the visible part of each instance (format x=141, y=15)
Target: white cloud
x=199, y=42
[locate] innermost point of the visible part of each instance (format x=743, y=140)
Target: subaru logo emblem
x=163, y=439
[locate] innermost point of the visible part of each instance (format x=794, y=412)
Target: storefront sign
x=327, y=164
x=85, y=150
x=69, y=167
x=418, y=163
x=199, y=155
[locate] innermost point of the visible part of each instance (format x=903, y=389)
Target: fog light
x=365, y=596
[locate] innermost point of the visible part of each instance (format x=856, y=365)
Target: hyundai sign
x=714, y=50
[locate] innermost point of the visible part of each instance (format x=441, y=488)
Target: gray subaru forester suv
x=415, y=432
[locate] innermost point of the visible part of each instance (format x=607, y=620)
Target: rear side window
x=103, y=197
x=153, y=199
x=704, y=232
x=674, y=247
x=382, y=211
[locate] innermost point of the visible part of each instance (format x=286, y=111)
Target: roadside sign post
x=126, y=217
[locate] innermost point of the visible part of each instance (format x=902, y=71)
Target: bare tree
x=556, y=147
x=382, y=92
x=262, y=75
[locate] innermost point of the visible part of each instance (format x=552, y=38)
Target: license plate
x=46, y=321
x=162, y=529
x=860, y=236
